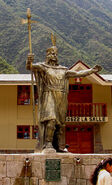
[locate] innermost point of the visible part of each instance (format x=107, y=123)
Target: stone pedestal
x=75, y=169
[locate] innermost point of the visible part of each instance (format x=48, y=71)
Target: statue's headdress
x=53, y=39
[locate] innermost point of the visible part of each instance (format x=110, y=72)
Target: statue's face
x=52, y=57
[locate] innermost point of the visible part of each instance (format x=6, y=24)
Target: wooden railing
x=87, y=109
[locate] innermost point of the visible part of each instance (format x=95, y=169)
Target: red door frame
x=80, y=138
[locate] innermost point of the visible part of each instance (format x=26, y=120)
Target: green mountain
x=6, y=68
x=83, y=29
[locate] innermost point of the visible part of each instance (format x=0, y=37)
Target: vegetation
x=6, y=68
x=83, y=29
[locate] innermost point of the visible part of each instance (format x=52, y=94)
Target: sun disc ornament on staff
x=28, y=21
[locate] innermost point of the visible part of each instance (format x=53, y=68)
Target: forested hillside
x=83, y=29
x=6, y=68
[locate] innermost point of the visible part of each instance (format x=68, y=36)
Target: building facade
x=88, y=126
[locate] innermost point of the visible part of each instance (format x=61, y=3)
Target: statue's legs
x=56, y=138
x=49, y=133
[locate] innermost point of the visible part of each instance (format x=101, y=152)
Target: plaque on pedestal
x=53, y=170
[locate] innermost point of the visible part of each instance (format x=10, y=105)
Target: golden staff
x=40, y=137
x=29, y=21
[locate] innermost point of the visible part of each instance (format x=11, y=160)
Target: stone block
x=64, y=181
x=9, y=158
x=77, y=172
x=72, y=182
x=26, y=180
x=81, y=182
x=95, y=161
x=53, y=156
x=14, y=168
x=40, y=158
x=86, y=161
x=17, y=181
x=67, y=159
x=6, y=181
x=34, y=181
x=82, y=171
x=67, y=170
x=2, y=169
x=89, y=170
x=20, y=157
x=88, y=182
x=37, y=170
x=2, y=157
x=43, y=182
x=12, y=181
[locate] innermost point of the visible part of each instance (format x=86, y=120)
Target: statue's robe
x=52, y=86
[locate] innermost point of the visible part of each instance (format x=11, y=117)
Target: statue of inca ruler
x=52, y=81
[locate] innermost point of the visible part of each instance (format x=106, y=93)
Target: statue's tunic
x=53, y=92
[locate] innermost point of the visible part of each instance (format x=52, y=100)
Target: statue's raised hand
x=31, y=57
x=29, y=61
x=97, y=68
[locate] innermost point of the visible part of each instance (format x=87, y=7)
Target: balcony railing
x=87, y=110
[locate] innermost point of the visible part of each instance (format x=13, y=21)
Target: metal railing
x=87, y=109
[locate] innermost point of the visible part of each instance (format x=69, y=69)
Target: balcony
x=87, y=112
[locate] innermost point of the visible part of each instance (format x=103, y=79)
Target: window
x=75, y=129
x=34, y=132
x=82, y=129
x=75, y=87
x=81, y=87
x=23, y=95
x=88, y=87
x=68, y=129
x=89, y=129
x=70, y=87
x=23, y=132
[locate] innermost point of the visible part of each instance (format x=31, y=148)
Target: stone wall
x=75, y=169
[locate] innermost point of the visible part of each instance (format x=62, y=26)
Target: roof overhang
x=15, y=79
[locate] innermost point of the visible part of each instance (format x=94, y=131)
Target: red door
x=79, y=138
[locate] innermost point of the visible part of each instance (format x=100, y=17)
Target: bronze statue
x=52, y=81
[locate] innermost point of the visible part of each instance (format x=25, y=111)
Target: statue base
x=48, y=151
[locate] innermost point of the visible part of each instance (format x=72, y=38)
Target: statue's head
x=51, y=53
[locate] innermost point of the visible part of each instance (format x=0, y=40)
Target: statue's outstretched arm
x=83, y=73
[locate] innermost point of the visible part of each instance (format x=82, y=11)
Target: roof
x=27, y=77
x=107, y=77
x=15, y=79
